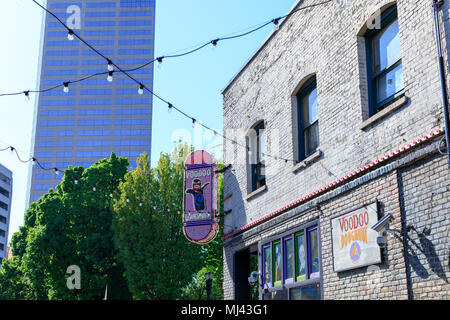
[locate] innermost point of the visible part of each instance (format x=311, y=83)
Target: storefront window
x=313, y=253
x=300, y=244
x=276, y=295
x=277, y=272
x=291, y=265
x=267, y=254
x=311, y=292
x=289, y=259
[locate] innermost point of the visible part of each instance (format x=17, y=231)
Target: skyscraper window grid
x=98, y=119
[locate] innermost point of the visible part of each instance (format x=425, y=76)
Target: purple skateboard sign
x=200, y=224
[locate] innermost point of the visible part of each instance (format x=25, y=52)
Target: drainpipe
x=436, y=5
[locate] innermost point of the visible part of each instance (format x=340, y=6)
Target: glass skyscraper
x=96, y=116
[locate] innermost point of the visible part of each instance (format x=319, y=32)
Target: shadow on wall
x=237, y=218
x=427, y=248
x=424, y=261
x=231, y=221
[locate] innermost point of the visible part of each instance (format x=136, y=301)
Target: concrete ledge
x=390, y=108
x=256, y=192
x=307, y=161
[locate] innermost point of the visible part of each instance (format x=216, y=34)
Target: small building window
x=384, y=62
x=257, y=162
x=308, y=120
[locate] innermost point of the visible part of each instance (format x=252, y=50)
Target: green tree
x=71, y=226
x=13, y=283
x=158, y=259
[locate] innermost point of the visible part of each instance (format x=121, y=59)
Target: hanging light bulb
x=276, y=23
x=76, y=181
x=214, y=43
x=170, y=106
x=11, y=149
x=27, y=95
x=128, y=200
x=34, y=160
x=141, y=89
x=110, y=76
x=110, y=195
x=110, y=66
x=94, y=189
x=70, y=35
x=193, y=122
x=140, y=204
x=66, y=87
x=56, y=171
x=160, y=60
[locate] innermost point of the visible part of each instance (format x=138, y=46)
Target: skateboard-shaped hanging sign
x=200, y=222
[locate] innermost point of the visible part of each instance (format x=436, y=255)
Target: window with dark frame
x=384, y=62
x=258, y=167
x=291, y=265
x=308, y=120
x=289, y=261
x=267, y=266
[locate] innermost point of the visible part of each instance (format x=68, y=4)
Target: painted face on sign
x=197, y=193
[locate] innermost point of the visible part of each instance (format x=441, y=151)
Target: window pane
x=314, y=270
x=261, y=145
x=267, y=278
x=311, y=138
x=389, y=83
x=277, y=272
x=276, y=295
x=311, y=292
x=386, y=48
x=301, y=256
x=309, y=104
x=289, y=258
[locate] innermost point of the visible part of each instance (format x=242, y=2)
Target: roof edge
x=299, y=2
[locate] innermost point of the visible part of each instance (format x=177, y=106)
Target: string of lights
x=35, y=161
x=113, y=67
x=71, y=36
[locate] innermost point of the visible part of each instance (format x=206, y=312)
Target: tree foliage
x=69, y=226
x=121, y=228
x=158, y=259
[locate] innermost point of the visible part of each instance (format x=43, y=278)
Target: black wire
x=152, y=61
x=30, y=159
x=214, y=42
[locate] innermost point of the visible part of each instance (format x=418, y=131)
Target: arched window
x=384, y=61
x=256, y=141
x=308, y=120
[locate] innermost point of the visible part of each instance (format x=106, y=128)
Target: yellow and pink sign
x=354, y=242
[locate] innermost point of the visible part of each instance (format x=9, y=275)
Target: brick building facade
x=331, y=131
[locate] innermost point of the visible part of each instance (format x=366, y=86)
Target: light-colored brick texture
x=327, y=41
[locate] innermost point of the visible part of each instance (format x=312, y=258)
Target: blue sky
x=192, y=83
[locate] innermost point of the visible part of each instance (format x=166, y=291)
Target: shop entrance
x=245, y=261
